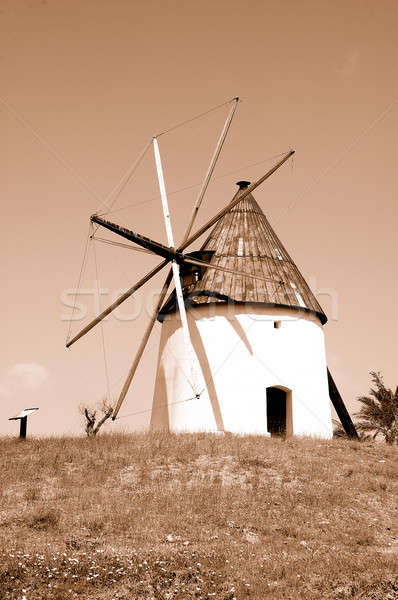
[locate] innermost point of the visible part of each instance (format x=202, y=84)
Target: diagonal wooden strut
x=340, y=409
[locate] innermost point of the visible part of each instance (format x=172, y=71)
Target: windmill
x=242, y=346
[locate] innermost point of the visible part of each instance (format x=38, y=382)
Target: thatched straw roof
x=243, y=240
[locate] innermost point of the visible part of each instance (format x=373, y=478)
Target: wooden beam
x=202, y=263
x=234, y=202
x=141, y=240
x=210, y=169
x=142, y=346
x=340, y=408
x=117, y=302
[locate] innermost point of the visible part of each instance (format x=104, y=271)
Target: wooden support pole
x=340, y=408
x=23, y=427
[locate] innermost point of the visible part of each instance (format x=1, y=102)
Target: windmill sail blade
x=142, y=345
x=176, y=272
x=245, y=193
x=167, y=282
x=202, y=263
x=210, y=169
x=140, y=240
x=117, y=303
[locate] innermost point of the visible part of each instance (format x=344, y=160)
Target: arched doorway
x=279, y=411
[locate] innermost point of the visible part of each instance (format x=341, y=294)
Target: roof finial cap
x=243, y=184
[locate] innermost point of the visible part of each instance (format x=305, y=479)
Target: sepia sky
x=85, y=84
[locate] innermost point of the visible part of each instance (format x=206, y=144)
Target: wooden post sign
x=23, y=417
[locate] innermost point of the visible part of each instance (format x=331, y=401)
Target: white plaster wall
x=239, y=354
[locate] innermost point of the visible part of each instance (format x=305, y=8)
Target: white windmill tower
x=242, y=347
x=259, y=342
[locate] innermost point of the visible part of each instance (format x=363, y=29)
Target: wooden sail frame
x=162, y=296
x=187, y=243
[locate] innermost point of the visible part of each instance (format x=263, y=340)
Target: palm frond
x=379, y=410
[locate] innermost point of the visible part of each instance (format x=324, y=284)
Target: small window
x=240, y=246
x=277, y=324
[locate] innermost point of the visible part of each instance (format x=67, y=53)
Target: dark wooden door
x=276, y=411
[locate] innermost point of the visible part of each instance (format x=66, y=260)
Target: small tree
x=95, y=418
x=338, y=430
x=379, y=411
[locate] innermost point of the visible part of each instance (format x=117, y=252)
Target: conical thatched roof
x=243, y=240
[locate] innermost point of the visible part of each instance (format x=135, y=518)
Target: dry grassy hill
x=162, y=517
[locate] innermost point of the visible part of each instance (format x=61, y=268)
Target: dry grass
x=163, y=517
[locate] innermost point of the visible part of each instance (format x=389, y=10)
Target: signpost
x=23, y=417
